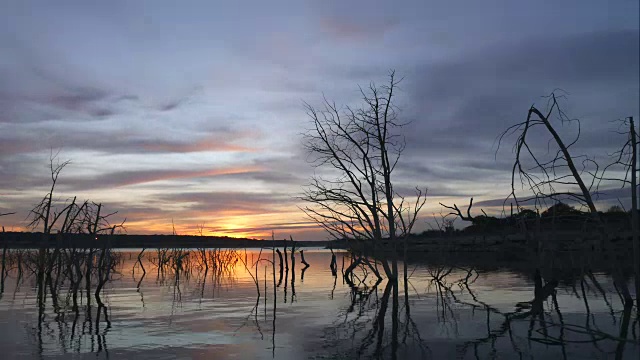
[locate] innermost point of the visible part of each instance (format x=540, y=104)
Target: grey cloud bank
x=148, y=98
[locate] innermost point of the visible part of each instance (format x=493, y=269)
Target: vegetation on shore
x=35, y=240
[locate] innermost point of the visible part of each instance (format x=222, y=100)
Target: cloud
x=211, y=143
x=209, y=97
x=231, y=202
x=136, y=177
x=107, y=137
x=307, y=230
x=604, y=196
x=460, y=106
x=486, y=84
x=77, y=98
x=351, y=29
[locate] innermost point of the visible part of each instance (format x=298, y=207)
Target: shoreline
x=23, y=240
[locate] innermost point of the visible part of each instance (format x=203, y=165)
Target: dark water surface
x=184, y=310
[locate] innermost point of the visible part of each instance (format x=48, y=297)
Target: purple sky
x=192, y=110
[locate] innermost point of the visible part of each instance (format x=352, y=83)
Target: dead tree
x=334, y=265
x=281, y=268
x=44, y=212
x=625, y=160
x=562, y=176
x=458, y=213
x=302, y=260
x=634, y=209
x=446, y=223
x=363, y=146
x=86, y=217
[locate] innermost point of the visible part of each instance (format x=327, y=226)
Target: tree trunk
x=634, y=210
x=571, y=165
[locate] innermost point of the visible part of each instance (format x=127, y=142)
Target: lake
x=227, y=304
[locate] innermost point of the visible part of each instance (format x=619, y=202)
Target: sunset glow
x=193, y=115
x=319, y=179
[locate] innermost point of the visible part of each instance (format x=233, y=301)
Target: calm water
x=182, y=310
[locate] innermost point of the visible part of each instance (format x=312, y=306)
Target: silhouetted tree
x=615, y=209
x=527, y=214
x=44, y=212
x=363, y=145
x=627, y=159
x=70, y=216
x=562, y=176
x=561, y=209
x=479, y=223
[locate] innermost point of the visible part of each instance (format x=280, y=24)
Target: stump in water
x=139, y=261
x=2, y=271
x=333, y=266
x=293, y=251
x=302, y=260
x=351, y=267
x=293, y=269
x=281, y=273
x=306, y=265
x=286, y=262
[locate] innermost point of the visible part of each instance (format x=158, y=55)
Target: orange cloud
x=283, y=222
x=213, y=143
x=127, y=178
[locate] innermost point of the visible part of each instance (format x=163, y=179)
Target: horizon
x=179, y=116
x=614, y=209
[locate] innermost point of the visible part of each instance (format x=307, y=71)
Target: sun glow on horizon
x=263, y=226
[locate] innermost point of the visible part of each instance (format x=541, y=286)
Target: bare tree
x=458, y=213
x=86, y=217
x=577, y=178
x=563, y=176
x=634, y=208
x=44, y=212
x=626, y=162
x=361, y=148
x=543, y=177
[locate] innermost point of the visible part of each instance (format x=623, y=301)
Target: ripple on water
x=221, y=316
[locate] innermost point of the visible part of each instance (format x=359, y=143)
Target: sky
x=192, y=112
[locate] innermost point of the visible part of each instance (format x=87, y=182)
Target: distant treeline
x=38, y=239
x=557, y=217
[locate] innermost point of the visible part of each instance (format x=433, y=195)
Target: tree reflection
x=411, y=316
x=373, y=326
x=70, y=287
x=378, y=326
x=546, y=325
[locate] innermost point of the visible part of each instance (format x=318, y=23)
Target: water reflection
x=255, y=304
